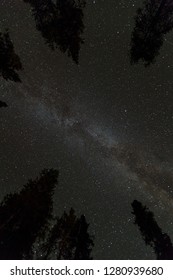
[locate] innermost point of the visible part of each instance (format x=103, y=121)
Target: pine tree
x=9, y=60
x=151, y=232
x=152, y=22
x=61, y=24
x=28, y=229
x=24, y=216
x=69, y=239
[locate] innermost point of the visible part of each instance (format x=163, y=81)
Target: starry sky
x=105, y=124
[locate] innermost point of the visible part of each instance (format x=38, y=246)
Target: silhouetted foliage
x=69, y=239
x=9, y=60
x=27, y=223
x=151, y=232
x=25, y=215
x=3, y=104
x=152, y=22
x=60, y=23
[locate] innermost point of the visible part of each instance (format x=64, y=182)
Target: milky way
x=155, y=175
x=106, y=125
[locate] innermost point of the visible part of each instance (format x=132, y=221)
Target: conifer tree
x=28, y=229
x=151, y=232
x=61, y=24
x=69, y=239
x=152, y=22
x=9, y=61
x=24, y=216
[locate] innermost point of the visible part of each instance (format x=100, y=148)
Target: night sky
x=105, y=124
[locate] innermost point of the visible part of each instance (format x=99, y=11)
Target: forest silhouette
x=28, y=229
x=152, y=22
x=9, y=61
x=61, y=24
x=151, y=232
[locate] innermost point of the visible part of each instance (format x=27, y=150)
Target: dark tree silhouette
x=9, y=60
x=24, y=216
x=152, y=22
x=61, y=24
x=28, y=229
x=69, y=239
x=3, y=104
x=151, y=232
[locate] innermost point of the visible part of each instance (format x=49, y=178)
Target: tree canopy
x=152, y=22
x=69, y=239
x=10, y=62
x=151, y=232
x=28, y=229
x=61, y=24
x=24, y=216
